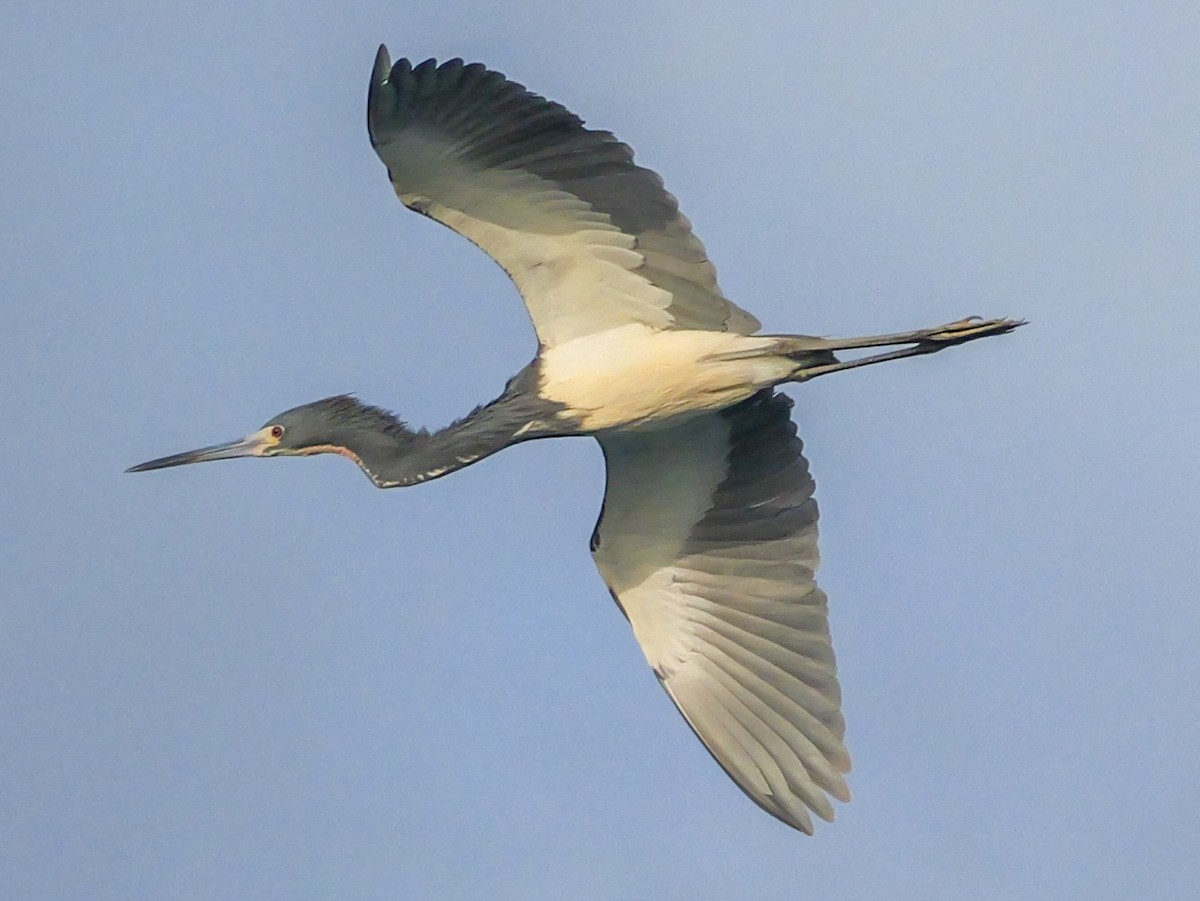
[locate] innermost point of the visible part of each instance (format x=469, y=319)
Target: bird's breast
x=634, y=376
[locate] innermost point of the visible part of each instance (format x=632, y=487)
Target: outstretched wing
x=591, y=240
x=708, y=542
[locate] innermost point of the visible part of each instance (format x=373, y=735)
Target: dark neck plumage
x=393, y=455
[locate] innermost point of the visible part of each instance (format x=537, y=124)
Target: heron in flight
x=707, y=536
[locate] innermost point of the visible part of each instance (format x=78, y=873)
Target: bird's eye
x=276, y=432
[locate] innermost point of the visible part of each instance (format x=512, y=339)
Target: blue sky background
x=271, y=680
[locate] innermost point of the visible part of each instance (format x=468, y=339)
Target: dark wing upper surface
x=708, y=541
x=592, y=240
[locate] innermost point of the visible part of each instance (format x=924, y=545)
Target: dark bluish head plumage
x=331, y=421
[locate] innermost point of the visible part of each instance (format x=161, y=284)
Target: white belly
x=637, y=376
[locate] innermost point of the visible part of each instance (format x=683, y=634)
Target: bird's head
x=335, y=425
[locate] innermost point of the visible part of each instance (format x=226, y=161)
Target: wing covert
x=591, y=239
x=708, y=542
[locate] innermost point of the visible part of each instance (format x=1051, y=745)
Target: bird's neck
x=406, y=457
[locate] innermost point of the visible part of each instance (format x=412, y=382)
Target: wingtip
x=376, y=90
x=383, y=65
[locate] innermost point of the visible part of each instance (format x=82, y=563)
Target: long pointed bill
x=250, y=446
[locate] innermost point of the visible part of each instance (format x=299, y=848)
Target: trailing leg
x=923, y=341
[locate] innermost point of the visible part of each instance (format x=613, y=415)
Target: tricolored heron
x=707, y=535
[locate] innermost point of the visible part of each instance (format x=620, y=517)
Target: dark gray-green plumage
x=495, y=123
x=394, y=455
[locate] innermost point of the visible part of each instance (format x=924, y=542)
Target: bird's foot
x=968, y=329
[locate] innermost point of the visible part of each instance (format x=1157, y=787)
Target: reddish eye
x=277, y=431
